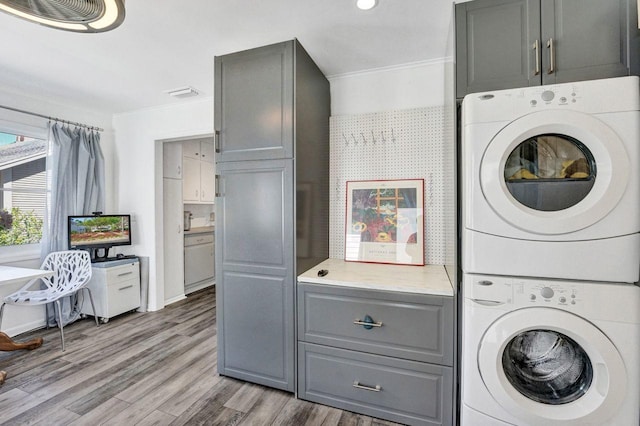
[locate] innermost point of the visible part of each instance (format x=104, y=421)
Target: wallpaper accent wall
x=404, y=144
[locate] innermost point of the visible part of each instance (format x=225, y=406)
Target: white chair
x=72, y=272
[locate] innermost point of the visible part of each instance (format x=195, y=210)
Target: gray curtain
x=75, y=167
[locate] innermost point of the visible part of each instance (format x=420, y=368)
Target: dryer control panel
x=607, y=301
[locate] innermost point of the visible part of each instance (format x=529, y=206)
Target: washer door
x=547, y=366
x=554, y=172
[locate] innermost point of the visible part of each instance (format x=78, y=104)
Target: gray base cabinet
x=503, y=44
x=399, y=368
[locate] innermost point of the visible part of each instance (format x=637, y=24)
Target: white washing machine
x=549, y=352
x=551, y=181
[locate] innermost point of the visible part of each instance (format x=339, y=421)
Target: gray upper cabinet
x=503, y=44
x=254, y=104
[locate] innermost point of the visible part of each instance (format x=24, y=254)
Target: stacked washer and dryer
x=551, y=255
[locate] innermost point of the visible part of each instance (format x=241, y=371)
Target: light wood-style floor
x=155, y=368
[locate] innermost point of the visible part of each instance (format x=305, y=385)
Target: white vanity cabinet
x=199, y=171
x=115, y=287
x=378, y=340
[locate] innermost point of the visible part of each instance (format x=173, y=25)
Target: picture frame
x=385, y=221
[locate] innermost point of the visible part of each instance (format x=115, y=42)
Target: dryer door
x=554, y=172
x=547, y=366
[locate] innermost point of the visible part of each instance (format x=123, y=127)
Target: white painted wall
x=138, y=174
x=406, y=87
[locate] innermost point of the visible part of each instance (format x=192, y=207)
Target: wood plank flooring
x=154, y=368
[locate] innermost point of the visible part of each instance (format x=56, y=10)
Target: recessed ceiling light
x=366, y=4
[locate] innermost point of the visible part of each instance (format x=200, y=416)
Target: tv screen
x=103, y=231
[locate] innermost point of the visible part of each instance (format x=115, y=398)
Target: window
x=23, y=189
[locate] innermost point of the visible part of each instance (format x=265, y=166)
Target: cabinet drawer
x=121, y=273
x=122, y=297
x=195, y=239
x=409, y=392
x=415, y=327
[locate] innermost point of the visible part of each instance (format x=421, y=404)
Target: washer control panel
x=549, y=293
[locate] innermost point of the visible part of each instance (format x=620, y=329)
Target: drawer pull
x=125, y=273
x=357, y=385
x=125, y=287
x=368, y=322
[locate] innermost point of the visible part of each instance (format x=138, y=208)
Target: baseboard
x=175, y=299
x=198, y=286
x=24, y=328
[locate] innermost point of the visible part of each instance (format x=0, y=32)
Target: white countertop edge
x=371, y=286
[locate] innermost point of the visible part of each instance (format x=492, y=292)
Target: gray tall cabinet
x=272, y=110
x=502, y=44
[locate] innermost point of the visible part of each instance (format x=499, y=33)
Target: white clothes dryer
x=551, y=183
x=549, y=352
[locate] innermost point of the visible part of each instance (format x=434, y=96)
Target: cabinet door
x=207, y=182
x=254, y=103
x=172, y=160
x=255, y=277
x=198, y=263
x=495, y=45
x=173, y=239
x=191, y=179
x=191, y=148
x=589, y=40
x=207, y=151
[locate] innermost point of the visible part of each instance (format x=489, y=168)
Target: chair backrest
x=72, y=270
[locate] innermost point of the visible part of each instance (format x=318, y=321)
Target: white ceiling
x=166, y=44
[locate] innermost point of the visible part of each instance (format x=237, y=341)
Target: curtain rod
x=59, y=120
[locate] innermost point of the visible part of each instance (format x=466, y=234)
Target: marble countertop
x=429, y=279
x=200, y=230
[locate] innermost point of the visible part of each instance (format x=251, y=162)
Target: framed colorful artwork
x=385, y=221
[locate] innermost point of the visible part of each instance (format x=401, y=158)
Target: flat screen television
x=98, y=233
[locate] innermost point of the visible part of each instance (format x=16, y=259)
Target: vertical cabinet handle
x=536, y=49
x=179, y=171
x=552, y=57
x=216, y=141
x=217, y=186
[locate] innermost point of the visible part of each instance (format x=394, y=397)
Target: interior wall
x=138, y=174
x=404, y=87
x=138, y=133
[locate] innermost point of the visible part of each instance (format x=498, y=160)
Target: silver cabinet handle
x=125, y=274
x=368, y=324
x=125, y=287
x=217, y=186
x=179, y=172
x=536, y=48
x=552, y=64
x=357, y=384
x=216, y=141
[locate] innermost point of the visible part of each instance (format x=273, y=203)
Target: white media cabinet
x=115, y=286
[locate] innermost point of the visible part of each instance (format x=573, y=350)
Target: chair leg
x=46, y=313
x=60, y=323
x=93, y=307
x=1, y=314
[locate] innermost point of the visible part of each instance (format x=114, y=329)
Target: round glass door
x=550, y=172
x=554, y=172
x=547, y=366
